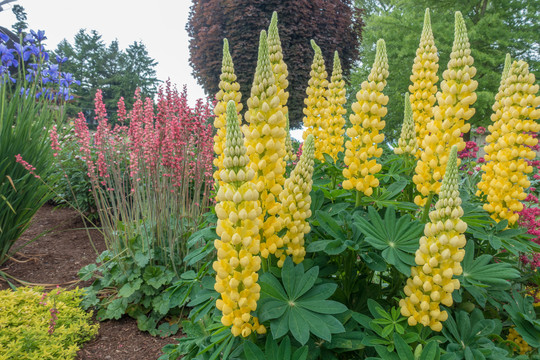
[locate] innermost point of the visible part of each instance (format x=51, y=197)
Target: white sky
x=160, y=25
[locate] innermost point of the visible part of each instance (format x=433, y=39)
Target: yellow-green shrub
x=25, y=324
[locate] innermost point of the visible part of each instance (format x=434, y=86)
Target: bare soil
x=54, y=258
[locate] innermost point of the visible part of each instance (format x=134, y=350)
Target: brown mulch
x=55, y=258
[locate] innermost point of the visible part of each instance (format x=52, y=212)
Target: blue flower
x=39, y=36
x=61, y=60
x=3, y=38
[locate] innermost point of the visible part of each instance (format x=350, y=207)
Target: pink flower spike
x=26, y=165
x=55, y=145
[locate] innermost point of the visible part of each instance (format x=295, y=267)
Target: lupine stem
x=427, y=206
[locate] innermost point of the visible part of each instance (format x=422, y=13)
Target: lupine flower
x=336, y=121
x=407, y=141
x=449, y=116
x=265, y=143
x=296, y=205
x=317, y=109
x=229, y=89
x=239, y=220
x=508, y=149
x=362, y=149
x=424, y=79
x=513, y=336
x=280, y=73
x=439, y=256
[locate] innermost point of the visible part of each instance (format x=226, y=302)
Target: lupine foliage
x=362, y=249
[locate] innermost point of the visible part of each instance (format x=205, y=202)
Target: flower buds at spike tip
x=365, y=134
x=510, y=143
x=438, y=257
x=316, y=111
x=278, y=65
x=336, y=122
x=424, y=79
x=238, y=210
x=265, y=143
x=449, y=116
x=407, y=141
x=229, y=89
x=296, y=205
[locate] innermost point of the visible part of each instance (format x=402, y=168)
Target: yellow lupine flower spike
x=407, y=141
x=280, y=72
x=238, y=210
x=265, y=143
x=424, y=79
x=365, y=134
x=316, y=110
x=439, y=256
x=276, y=60
x=296, y=205
x=336, y=100
x=488, y=167
x=449, y=116
x=509, y=145
x=229, y=89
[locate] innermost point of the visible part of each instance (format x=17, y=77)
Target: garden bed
x=55, y=258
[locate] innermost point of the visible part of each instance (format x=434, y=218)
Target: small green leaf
x=252, y=351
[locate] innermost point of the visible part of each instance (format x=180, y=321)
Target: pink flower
x=26, y=165
x=480, y=130
x=55, y=145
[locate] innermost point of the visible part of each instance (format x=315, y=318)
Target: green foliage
x=523, y=315
x=494, y=27
x=273, y=351
x=397, y=238
x=100, y=66
x=297, y=305
x=133, y=286
x=206, y=339
x=24, y=125
x=469, y=337
x=71, y=184
x=25, y=324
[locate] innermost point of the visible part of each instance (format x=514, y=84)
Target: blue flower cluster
x=33, y=65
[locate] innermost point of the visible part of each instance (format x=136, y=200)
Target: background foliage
x=494, y=27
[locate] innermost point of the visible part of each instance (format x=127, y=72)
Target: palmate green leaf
x=298, y=306
x=523, y=315
x=483, y=272
x=396, y=237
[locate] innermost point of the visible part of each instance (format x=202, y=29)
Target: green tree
x=140, y=69
x=495, y=27
x=115, y=71
x=20, y=14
